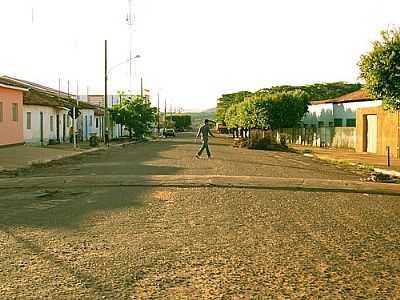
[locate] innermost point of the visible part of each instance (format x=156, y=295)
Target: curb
x=190, y=181
x=69, y=155
x=392, y=173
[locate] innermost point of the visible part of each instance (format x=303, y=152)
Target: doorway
x=64, y=129
x=58, y=127
x=371, y=133
x=41, y=129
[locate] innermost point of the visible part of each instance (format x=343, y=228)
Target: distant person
x=204, y=131
x=106, y=139
x=71, y=134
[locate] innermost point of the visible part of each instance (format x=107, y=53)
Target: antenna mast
x=130, y=23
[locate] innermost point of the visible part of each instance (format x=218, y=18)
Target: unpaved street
x=203, y=241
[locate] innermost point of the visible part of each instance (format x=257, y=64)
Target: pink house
x=11, y=115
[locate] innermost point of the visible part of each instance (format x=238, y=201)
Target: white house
x=47, y=114
x=338, y=112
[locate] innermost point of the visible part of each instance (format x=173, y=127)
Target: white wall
x=327, y=112
x=86, y=123
x=319, y=112
x=99, y=129
x=33, y=135
x=348, y=110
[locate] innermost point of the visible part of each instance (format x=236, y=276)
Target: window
x=28, y=120
x=351, y=123
x=14, y=112
x=330, y=124
x=97, y=122
x=51, y=123
x=321, y=124
x=338, y=122
x=1, y=111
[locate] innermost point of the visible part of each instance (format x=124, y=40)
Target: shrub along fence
x=337, y=137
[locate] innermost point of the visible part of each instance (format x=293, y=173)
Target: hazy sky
x=191, y=50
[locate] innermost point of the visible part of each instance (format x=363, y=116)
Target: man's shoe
x=197, y=156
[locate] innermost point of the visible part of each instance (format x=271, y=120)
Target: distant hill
x=210, y=110
x=199, y=117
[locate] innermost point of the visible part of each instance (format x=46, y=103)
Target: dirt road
x=207, y=242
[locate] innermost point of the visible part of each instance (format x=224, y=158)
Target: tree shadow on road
x=117, y=161
x=64, y=208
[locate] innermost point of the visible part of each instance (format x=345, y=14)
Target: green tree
x=317, y=91
x=232, y=116
x=226, y=100
x=285, y=109
x=180, y=121
x=135, y=113
x=380, y=68
x=269, y=110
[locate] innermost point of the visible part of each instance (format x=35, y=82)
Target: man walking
x=204, y=131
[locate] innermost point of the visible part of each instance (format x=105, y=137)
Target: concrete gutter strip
x=377, y=170
x=388, y=172
x=200, y=181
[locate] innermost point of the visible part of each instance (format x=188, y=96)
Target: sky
x=191, y=51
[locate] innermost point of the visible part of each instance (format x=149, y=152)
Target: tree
x=232, y=116
x=135, y=113
x=225, y=101
x=286, y=109
x=380, y=68
x=317, y=91
x=180, y=121
x=269, y=110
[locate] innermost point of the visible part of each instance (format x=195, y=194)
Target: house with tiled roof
x=355, y=120
x=338, y=112
x=11, y=122
x=47, y=113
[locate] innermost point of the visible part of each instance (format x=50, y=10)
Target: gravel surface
x=187, y=243
x=176, y=156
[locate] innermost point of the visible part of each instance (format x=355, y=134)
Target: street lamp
x=123, y=62
x=106, y=72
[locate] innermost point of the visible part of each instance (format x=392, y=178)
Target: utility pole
x=105, y=91
x=158, y=113
x=73, y=118
x=59, y=87
x=77, y=105
x=141, y=87
x=165, y=114
x=130, y=23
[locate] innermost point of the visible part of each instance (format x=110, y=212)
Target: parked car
x=168, y=132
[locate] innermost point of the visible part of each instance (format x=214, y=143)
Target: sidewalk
x=23, y=156
x=377, y=162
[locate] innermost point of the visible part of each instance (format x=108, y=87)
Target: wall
x=319, y=112
x=11, y=132
x=32, y=136
x=344, y=137
x=86, y=123
x=388, y=125
x=99, y=129
x=348, y=110
x=337, y=137
x=327, y=112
